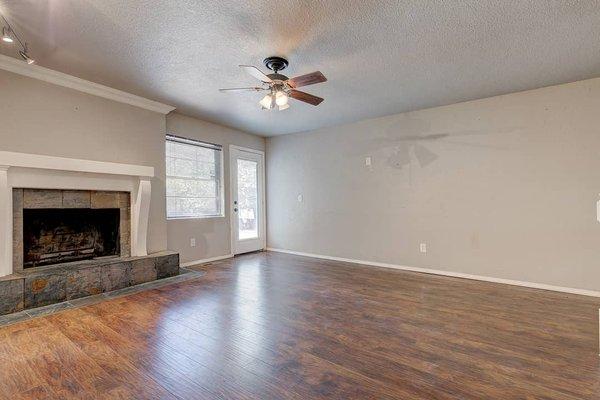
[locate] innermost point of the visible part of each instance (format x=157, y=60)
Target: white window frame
x=221, y=175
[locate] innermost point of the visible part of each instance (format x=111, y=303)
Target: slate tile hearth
x=11, y=295
x=143, y=270
x=116, y=276
x=166, y=267
x=84, y=282
x=44, y=289
x=54, y=284
x=184, y=275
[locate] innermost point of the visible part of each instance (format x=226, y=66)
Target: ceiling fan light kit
x=279, y=86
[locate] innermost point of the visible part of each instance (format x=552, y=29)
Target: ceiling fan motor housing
x=278, y=77
x=275, y=63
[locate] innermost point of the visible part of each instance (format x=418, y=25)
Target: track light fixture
x=8, y=36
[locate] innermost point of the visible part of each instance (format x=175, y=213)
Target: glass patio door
x=247, y=202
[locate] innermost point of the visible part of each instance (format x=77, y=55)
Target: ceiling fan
x=279, y=86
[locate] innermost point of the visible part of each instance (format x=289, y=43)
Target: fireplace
x=57, y=235
x=78, y=228
x=53, y=226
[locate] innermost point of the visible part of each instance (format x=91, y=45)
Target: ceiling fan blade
x=308, y=79
x=305, y=97
x=244, y=89
x=257, y=73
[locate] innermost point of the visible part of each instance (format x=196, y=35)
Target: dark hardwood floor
x=276, y=326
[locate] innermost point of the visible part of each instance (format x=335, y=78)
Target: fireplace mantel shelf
x=25, y=160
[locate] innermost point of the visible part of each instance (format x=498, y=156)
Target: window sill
x=203, y=217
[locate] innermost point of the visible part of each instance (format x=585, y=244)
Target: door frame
x=262, y=208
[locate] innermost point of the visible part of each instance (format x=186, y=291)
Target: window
x=194, y=178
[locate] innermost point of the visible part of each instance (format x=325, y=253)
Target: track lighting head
x=26, y=57
x=7, y=35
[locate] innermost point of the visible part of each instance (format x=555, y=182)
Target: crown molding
x=58, y=78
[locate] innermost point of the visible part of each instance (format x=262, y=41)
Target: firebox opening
x=58, y=235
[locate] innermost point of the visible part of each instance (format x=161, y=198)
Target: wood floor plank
x=277, y=326
x=90, y=336
x=17, y=373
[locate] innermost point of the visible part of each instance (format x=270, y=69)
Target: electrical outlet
x=300, y=198
x=193, y=242
x=423, y=247
x=368, y=161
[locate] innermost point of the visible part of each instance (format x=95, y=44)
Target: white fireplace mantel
x=47, y=172
x=38, y=161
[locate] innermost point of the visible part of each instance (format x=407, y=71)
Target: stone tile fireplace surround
x=37, y=182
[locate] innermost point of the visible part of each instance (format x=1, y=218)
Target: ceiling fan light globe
x=267, y=102
x=281, y=98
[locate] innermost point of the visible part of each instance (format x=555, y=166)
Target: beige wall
x=42, y=118
x=502, y=187
x=212, y=234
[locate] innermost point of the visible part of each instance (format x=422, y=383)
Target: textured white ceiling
x=381, y=57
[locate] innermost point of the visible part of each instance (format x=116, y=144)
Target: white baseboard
x=533, y=285
x=205, y=260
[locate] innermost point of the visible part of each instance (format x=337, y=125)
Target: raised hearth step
x=37, y=287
